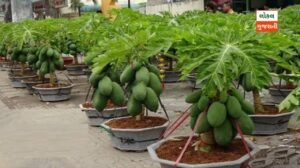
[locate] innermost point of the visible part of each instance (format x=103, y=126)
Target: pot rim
x=272, y=115
x=64, y=87
x=280, y=89
x=106, y=109
x=76, y=65
x=23, y=77
x=151, y=149
x=131, y=129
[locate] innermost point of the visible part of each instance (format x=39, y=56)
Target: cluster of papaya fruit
x=45, y=59
x=20, y=55
x=73, y=47
x=3, y=51
x=144, y=85
x=106, y=90
x=220, y=114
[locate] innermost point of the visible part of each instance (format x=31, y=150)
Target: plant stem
x=140, y=116
x=22, y=69
x=257, y=102
x=76, y=59
x=52, y=79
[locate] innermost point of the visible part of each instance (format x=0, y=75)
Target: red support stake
x=238, y=128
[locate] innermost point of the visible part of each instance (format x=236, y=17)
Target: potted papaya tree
x=143, y=86
x=218, y=55
x=286, y=77
x=73, y=49
x=49, y=61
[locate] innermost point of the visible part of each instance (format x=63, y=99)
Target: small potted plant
x=104, y=105
x=49, y=61
x=33, y=62
x=281, y=90
x=76, y=68
x=17, y=75
x=143, y=86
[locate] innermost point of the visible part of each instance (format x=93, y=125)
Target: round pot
x=271, y=124
x=171, y=77
x=5, y=65
x=230, y=164
x=54, y=94
x=278, y=92
x=29, y=84
x=96, y=118
x=134, y=139
x=192, y=80
x=16, y=82
x=76, y=70
x=17, y=71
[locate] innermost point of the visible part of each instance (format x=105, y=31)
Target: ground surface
x=36, y=134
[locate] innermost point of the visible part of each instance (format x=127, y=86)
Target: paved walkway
x=35, y=134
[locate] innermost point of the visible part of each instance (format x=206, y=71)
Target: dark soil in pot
x=132, y=123
x=109, y=105
x=170, y=150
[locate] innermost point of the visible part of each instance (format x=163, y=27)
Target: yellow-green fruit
x=216, y=114
x=153, y=69
x=134, y=107
x=51, y=67
x=105, y=86
x=99, y=101
x=234, y=107
x=136, y=65
x=117, y=95
x=142, y=75
x=151, y=102
x=246, y=124
x=44, y=68
x=203, y=124
x=127, y=75
x=248, y=107
x=223, y=133
x=203, y=102
x=223, y=97
x=139, y=92
x=193, y=97
x=194, y=111
x=155, y=83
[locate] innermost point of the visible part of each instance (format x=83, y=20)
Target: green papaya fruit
x=142, y=75
x=237, y=94
x=99, y=101
x=193, y=97
x=247, y=107
x=155, y=84
x=194, y=111
x=151, y=101
x=50, y=52
x=134, y=107
x=139, y=92
x=223, y=97
x=127, y=75
x=223, y=133
x=203, y=102
x=193, y=121
x=203, y=124
x=246, y=124
x=117, y=95
x=44, y=68
x=234, y=107
x=153, y=69
x=216, y=114
x=95, y=78
x=247, y=82
x=105, y=86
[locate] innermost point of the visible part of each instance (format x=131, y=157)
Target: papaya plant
x=219, y=55
x=291, y=102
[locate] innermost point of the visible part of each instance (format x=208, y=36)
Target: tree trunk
x=22, y=69
x=257, y=102
x=76, y=59
x=79, y=12
x=52, y=79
